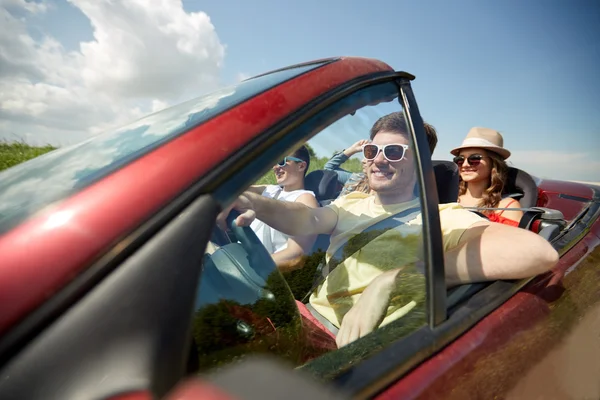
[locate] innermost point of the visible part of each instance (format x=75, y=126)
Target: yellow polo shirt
x=401, y=246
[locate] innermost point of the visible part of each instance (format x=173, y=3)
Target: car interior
x=230, y=268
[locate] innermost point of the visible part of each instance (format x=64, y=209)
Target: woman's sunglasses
x=474, y=160
x=391, y=152
x=283, y=162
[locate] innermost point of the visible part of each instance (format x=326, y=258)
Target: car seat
x=324, y=184
x=521, y=186
x=446, y=179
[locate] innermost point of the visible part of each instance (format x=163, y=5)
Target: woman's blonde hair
x=498, y=176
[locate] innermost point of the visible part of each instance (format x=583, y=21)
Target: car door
x=131, y=331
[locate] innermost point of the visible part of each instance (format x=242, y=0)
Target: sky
x=70, y=69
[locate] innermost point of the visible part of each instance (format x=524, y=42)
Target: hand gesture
x=355, y=148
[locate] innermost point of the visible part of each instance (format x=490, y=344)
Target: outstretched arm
x=486, y=251
x=291, y=218
x=490, y=251
x=297, y=246
x=258, y=189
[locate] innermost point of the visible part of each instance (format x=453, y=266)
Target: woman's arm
x=335, y=162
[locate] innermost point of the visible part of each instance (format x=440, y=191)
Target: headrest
x=520, y=185
x=446, y=179
x=323, y=183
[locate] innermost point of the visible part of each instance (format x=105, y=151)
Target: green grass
x=13, y=153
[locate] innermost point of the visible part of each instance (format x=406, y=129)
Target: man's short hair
x=396, y=122
x=432, y=138
x=303, y=154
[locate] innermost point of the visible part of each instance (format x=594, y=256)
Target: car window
x=249, y=301
x=30, y=186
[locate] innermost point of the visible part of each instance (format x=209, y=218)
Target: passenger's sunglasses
x=474, y=160
x=283, y=162
x=391, y=152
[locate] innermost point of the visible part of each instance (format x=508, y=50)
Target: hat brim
x=501, y=151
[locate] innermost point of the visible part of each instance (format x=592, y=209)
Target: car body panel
x=551, y=194
x=75, y=232
x=572, y=188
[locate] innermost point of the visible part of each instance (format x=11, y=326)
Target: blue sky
x=525, y=68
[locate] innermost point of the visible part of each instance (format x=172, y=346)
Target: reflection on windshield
x=245, y=306
x=28, y=187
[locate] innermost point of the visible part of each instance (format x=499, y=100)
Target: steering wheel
x=257, y=253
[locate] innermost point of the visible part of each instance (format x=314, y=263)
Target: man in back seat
x=356, y=295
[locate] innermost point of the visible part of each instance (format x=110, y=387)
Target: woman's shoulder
x=509, y=202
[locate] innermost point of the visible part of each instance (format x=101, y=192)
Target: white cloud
x=65, y=168
x=31, y=6
x=241, y=76
x=158, y=105
x=146, y=54
x=559, y=165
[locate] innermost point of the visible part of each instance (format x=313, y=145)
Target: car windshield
x=29, y=187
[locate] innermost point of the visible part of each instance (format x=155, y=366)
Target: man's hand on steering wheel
x=244, y=206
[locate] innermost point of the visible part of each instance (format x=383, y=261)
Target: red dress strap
x=506, y=206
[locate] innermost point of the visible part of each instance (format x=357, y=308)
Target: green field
x=13, y=153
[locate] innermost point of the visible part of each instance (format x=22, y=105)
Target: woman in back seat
x=483, y=173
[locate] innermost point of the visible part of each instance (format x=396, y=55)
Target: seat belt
x=326, y=323
x=383, y=226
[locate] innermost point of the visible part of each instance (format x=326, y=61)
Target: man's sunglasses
x=391, y=152
x=474, y=160
x=283, y=162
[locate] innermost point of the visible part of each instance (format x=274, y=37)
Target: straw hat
x=484, y=138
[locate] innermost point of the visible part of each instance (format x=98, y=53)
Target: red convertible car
x=117, y=283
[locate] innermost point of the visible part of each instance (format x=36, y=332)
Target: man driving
x=356, y=294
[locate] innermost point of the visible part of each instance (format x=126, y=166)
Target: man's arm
x=490, y=251
x=258, y=189
x=291, y=218
x=297, y=246
x=487, y=251
x=291, y=257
